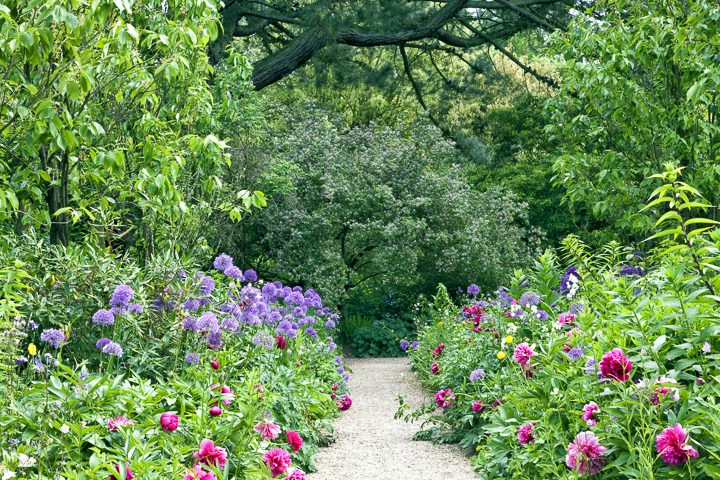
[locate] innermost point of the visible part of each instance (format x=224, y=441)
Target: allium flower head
x=53, y=336
x=113, y=349
x=121, y=297
x=523, y=353
x=267, y=430
x=250, y=275
x=615, y=365
x=102, y=342
x=415, y=344
x=585, y=454
x=234, y=272
x=404, y=344
x=476, y=375
x=277, y=460
x=473, y=289
x=529, y=299
x=222, y=262
x=575, y=354
x=103, y=317
x=672, y=446
x=525, y=434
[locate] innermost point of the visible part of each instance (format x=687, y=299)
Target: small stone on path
x=371, y=445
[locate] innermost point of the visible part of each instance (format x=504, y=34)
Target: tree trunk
x=56, y=195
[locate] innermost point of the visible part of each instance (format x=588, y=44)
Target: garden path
x=371, y=445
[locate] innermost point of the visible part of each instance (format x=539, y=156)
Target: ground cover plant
x=228, y=377
x=590, y=362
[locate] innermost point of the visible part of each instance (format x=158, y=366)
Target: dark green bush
x=381, y=338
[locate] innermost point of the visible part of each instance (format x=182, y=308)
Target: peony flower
x=277, y=460
x=478, y=406
x=225, y=391
x=280, y=342
x=444, y=398
x=115, y=423
x=128, y=473
x=665, y=391
x=214, y=364
x=585, y=454
x=199, y=473
x=345, y=402
x=169, y=421
x=216, y=411
x=267, y=430
x=566, y=319
x=589, y=412
x=209, y=454
x=295, y=440
x=523, y=353
x=672, y=446
x=525, y=435
x=615, y=365
x=438, y=351
x=296, y=474
x=435, y=368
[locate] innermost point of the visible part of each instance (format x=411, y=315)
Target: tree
x=382, y=208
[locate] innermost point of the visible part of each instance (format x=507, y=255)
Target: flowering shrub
x=207, y=391
x=618, y=377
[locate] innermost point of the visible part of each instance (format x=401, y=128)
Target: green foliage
x=380, y=338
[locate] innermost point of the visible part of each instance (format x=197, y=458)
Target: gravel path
x=371, y=445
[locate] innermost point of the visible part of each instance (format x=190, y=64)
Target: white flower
x=706, y=348
x=25, y=462
x=7, y=474
x=64, y=429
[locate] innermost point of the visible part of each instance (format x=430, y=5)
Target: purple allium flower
x=250, y=275
x=577, y=308
x=191, y=323
x=103, y=317
x=208, y=321
x=112, y=348
x=192, y=358
x=476, y=375
x=473, y=289
x=229, y=324
x=53, y=336
x=121, y=296
x=627, y=270
x=404, y=344
x=32, y=326
x=207, y=285
x=102, y=342
x=541, y=315
x=234, y=273
x=135, y=308
x=414, y=344
x=311, y=332
x=529, y=299
x=191, y=304
x=505, y=299
x=330, y=323
x=292, y=333
x=222, y=262
x=575, y=354
x=338, y=359
x=590, y=366
x=332, y=346
x=214, y=339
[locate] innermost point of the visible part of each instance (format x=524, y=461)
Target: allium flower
x=103, y=317
x=234, y=272
x=214, y=339
x=128, y=473
x=311, y=333
x=330, y=323
x=198, y=473
x=250, y=275
x=344, y=403
x=477, y=406
x=476, y=375
x=277, y=460
x=295, y=440
x=575, y=354
x=525, y=435
x=444, y=398
x=209, y=454
x=529, y=299
x=589, y=412
x=590, y=366
x=615, y=365
x=628, y=270
x=169, y=421
x=523, y=353
x=102, y=342
x=473, y=289
x=53, y=336
x=136, y=308
x=207, y=285
x=414, y=344
x=404, y=344
x=121, y=297
x=585, y=454
x=113, y=349
x=191, y=305
x=267, y=430
x=541, y=315
x=222, y=262
x=296, y=474
x=672, y=446
x=115, y=423
x=435, y=368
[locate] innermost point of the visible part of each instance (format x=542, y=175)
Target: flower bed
x=231, y=379
x=602, y=369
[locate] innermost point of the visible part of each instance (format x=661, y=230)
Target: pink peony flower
x=198, y=473
x=280, y=342
x=224, y=391
x=478, y=406
x=589, y=412
x=665, y=391
x=296, y=474
x=525, y=435
x=169, y=421
x=335, y=386
x=128, y=473
x=333, y=395
x=209, y=454
x=438, y=351
x=295, y=440
x=615, y=365
x=566, y=319
x=215, y=411
x=214, y=364
x=345, y=402
x=672, y=446
x=277, y=460
x=585, y=454
x=267, y=430
x=444, y=398
x=117, y=422
x=523, y=353
x=435, y=368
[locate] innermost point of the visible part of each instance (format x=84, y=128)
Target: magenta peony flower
x=435, y=368
x=444, y=398
x=438, y=351
x=169, y=421
x=277, y=460
x=267, y=430
x=198, y=473
x=523, y=353
x=566, y=319
x=333, y=395
x=615, y=365
x=345, y=402
x=296, y=474
x=209, y=454
x=215, y=411
x=117, y=422
x=585, y=454
x=665, y=391
x=128, y=473
x=214, y=364
x=295, y=440
x=672, y=446
x=280, y=342
x=478, y=406
x=525, y=435
x=589, y=412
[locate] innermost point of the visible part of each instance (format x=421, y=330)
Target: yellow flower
x=501, y=355
x=509, y=339
x=32, y=349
